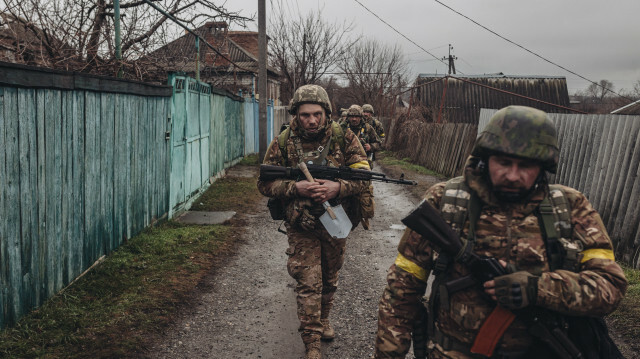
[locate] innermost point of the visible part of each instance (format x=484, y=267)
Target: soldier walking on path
x=367, y=134
x=559, y=274
x=314, y=256
x=367, y=113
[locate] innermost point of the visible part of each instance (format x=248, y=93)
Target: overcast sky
x=595, y=39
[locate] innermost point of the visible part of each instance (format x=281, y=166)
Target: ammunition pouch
x=276, y=208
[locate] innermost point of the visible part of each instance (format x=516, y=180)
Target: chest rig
x=317, y=156
x=460, y=204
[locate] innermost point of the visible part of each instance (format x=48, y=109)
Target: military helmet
x=367, y=108
x=355, y=110
x=310, y=94
x=520, y=131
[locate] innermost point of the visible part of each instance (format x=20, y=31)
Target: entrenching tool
x=334, y=219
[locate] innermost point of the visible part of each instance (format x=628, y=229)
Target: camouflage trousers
x=314, y=261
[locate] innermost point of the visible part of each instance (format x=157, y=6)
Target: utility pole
x=452, y=65
x=262, y=80
x=116, y=10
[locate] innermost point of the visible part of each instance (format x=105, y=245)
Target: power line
x=401, y=34
x=529, y=51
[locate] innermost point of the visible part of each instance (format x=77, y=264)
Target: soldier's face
x=311, y=117
x=354, y=120
x=367, y=115
x=511, y=174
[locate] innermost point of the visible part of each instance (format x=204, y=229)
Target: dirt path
x=247, y=309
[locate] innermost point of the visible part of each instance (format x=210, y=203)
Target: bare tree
x=376, y=72
x=79, y=35
x=598, y=92
x=304, y=48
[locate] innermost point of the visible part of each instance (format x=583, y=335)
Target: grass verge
x=133, y=294
x=626, y=319
x=395, y=167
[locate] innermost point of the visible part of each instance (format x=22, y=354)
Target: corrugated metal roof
x=492, y=76
x=465, y=95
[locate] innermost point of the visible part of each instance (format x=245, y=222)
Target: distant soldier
x=343, y=116
x=560, y=276
x=367, y=134
x=315, y=257
x=367, y=112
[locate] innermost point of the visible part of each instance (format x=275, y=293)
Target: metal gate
x=190, y=131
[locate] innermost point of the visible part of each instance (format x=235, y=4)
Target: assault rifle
x=426, y=221
x=270, y=173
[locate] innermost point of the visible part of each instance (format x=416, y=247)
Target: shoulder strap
x=554, y=217
x=455, y=201
x=282, y=143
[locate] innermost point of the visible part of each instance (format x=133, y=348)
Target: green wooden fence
x=83, y=165
x=86, y=162
x=207, y=136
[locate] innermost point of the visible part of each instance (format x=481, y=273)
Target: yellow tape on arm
x=361, y=165
x=408, y=266
x=597, y=253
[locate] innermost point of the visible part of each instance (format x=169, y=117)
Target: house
x=21, y=42
x=233, y=65
x=459, y=98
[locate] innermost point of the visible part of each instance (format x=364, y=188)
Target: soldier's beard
x=515, y=194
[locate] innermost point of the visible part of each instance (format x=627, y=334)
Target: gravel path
x=247, y=309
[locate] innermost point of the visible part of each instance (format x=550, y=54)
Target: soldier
x=367, y=113
x=550, y=239
x=343, y=116
x=367, y=134
x=314, y=256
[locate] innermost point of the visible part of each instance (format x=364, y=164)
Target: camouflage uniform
x=373, y=122
x=510, y=232
x=314, y=256
x=364, y=131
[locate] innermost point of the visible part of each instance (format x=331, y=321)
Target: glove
x=516, y=290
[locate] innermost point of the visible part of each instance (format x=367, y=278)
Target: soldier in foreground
x=367, y=134
x=367, y=113
x=314, y=256
x=548, y=240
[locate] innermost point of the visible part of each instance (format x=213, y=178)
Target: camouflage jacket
x=366, y=134
x=350, y=154
x=377, y=126
x=512, y=234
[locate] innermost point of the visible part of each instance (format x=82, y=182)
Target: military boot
x=313, y=350
x=327, y=331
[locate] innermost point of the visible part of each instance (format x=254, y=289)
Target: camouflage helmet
x=310, y=94
x=520, y=131
x=354, y=111
x=367, y=108
x=344, y=113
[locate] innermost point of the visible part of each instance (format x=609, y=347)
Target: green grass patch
x=627, y=316
x=108, y=312
x=250, y=160
x=389, y=159
x=229, y=194
x=114, y=310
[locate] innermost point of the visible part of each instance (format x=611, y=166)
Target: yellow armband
x=408, y=266
x=597, y=253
